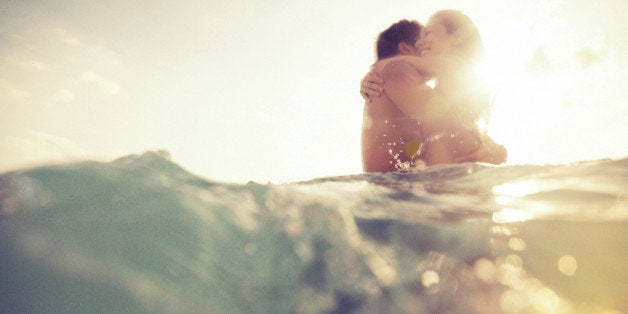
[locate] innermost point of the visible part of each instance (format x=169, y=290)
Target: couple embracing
x=424, y=100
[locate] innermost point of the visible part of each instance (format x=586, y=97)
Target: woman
x=449, y=48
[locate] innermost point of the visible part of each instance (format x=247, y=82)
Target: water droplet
x=430, y=278
x=517, y=244
x=545, y=300
x=567, y=265
x=484, y=269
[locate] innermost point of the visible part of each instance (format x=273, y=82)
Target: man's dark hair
x=403, y=31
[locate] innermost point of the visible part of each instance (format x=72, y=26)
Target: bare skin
x=429, y=67
x=399, y=84
x=446, y=115
x=395, y=132
x=391, y=121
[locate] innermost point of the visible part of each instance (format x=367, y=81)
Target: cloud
x=31, y=65
x=544, y=61
x=104, y=84
x=63, y=96
x=541, y=62
x=63, y=36
x=588, y=56
x=27, y=148
x=8, y=92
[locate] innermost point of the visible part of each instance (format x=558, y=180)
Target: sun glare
x=528, y=98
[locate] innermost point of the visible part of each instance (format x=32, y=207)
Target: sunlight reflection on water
x=510, y=215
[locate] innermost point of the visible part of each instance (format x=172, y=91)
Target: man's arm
x=432, y=66
x=406, y=87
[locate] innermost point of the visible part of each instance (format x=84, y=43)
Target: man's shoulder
x=396, y=69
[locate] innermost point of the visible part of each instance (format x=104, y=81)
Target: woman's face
x=435, y=40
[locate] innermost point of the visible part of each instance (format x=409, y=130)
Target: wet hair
x=471, y=47
x=403, y=31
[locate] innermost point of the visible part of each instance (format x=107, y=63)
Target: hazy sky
x=269, y=90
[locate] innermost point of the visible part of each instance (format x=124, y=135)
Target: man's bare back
x=391, y=134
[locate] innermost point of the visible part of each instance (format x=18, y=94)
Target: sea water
x=142, y=235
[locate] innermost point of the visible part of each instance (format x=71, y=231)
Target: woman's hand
x=371, y=86
x=489, y=152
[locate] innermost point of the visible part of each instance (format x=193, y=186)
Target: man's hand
x=371, y=86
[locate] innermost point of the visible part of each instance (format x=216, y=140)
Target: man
x=391, y=129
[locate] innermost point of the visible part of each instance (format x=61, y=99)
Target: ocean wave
x=142, y=234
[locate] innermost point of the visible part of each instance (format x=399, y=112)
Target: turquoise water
x=142, y=235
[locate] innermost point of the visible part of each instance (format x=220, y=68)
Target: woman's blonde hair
x=471, y=46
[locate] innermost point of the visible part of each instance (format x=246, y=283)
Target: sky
x=268, y=90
